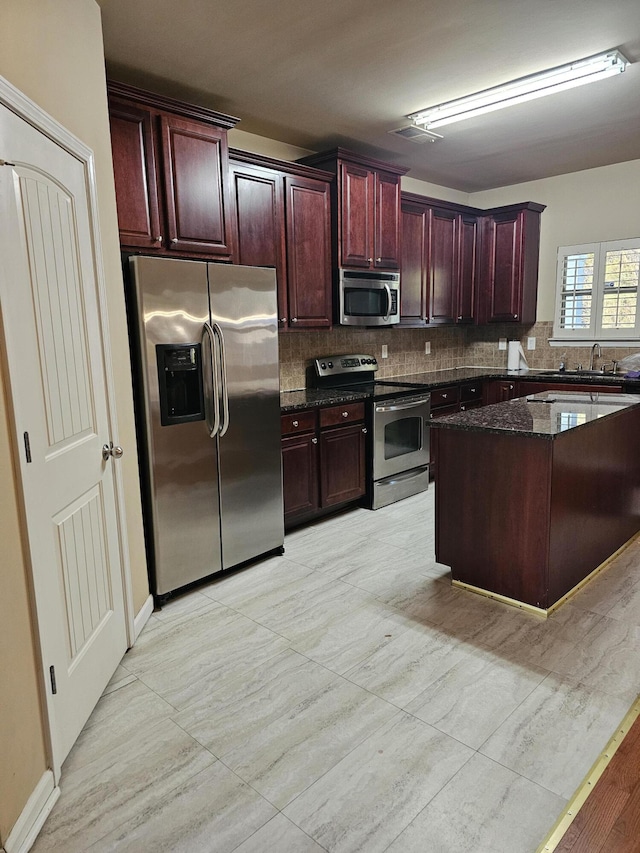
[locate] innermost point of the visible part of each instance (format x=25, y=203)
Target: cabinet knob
x=510, y=387
x=283, y=319
x=378, y=260
x=314, y=441
x=364, y=430
x=459, y=316
x=345, y=414
x=515, y=316
x=295, y=423
x=463, y=408
x=174, y=240
x=370, y=260
x=294, y=319
x=159, y=239
x=444, y=396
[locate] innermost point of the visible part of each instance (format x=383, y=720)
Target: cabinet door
x=342, y=464
x=300, y=475
x=386, y=247
x=196, y=163
x=414, y=301
x=499, y=391
x=443, y=266
x=134, y=167
x=308, y=239
x=356, y=231
x=258, y=196
x=468, y=266
x=504, y=242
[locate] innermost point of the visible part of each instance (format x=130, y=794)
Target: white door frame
x=26, y=109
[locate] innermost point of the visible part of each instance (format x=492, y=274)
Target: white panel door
x=53, y=339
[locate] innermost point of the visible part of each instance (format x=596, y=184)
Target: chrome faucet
x=593, y=354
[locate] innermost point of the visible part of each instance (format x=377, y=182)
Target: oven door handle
x=400, y=407
x=388, y=289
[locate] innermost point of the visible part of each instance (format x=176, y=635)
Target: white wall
x=52, y=51
x=583, y=207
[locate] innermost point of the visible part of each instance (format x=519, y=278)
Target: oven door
x=400, y=434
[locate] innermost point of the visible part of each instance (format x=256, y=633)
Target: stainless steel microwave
x=368, y=298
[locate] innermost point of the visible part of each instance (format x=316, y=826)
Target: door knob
x=109, y=450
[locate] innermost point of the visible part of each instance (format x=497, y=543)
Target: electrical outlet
x=531, y=343
x=502, y=343
x=385, y=351
x=427, y=347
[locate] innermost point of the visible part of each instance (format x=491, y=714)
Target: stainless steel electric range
x=399, y=418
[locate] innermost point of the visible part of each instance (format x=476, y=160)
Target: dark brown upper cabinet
x=171, y=174
x=440, y=259
x=511, y=245
x=366, y=209
x=283, y=220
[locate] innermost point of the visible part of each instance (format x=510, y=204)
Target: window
x=597, y=291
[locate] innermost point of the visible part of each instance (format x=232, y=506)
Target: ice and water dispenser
x=180, y=381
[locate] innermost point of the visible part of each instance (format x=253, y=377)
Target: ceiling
x=346, y=72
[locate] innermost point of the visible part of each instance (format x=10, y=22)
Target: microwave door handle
x=224, y=426
x=212, y=393
x=388, y=289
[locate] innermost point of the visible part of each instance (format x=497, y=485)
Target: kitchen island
x=535, y=494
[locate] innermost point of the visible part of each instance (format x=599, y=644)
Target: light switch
x=385, y=351
x=427, y=347
x=531, y=343
x=502, y=343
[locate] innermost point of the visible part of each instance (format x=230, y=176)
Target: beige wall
x=52, y=51
x=590, y=206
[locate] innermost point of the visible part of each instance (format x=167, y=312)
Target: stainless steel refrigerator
x=208, y=414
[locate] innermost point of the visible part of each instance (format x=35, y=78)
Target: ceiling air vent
x=416, y=134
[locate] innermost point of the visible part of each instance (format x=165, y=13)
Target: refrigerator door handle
x=224, y=426
x=212, y=394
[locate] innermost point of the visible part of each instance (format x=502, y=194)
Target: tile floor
x=346, y=698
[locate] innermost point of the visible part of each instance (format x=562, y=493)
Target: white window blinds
x=598, y=291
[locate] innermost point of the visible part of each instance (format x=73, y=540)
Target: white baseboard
x=142, y=618
x=34, y=814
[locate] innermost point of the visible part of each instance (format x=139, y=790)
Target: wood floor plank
x=609, y=820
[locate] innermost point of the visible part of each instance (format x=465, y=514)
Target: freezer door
x=243, y=306
x=180, y=480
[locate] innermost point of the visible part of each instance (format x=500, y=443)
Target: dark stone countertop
x=545, y=415
x=291, y=401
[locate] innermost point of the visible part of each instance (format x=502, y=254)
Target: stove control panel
x=341, y=365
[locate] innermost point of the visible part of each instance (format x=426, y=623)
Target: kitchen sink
x=573, y=373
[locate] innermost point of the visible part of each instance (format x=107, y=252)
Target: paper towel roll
x=515, y=356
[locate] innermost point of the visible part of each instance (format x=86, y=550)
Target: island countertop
x=544, y=415
x=534, y=495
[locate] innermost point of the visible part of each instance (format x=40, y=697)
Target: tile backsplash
x=451, y=346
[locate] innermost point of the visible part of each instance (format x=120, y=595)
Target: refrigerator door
x=181, y=499
x=243, y=308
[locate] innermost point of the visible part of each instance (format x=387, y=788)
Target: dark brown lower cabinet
x=342, y=464
x=323, y=460
x=499, y=391
x=300, y=475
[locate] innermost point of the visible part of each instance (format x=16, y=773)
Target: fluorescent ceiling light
x=525, y=89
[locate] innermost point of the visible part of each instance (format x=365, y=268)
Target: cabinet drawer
x=444, y=396
x=296, y=422
x=470, y=391
x=444, y=410
x=345, y=414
